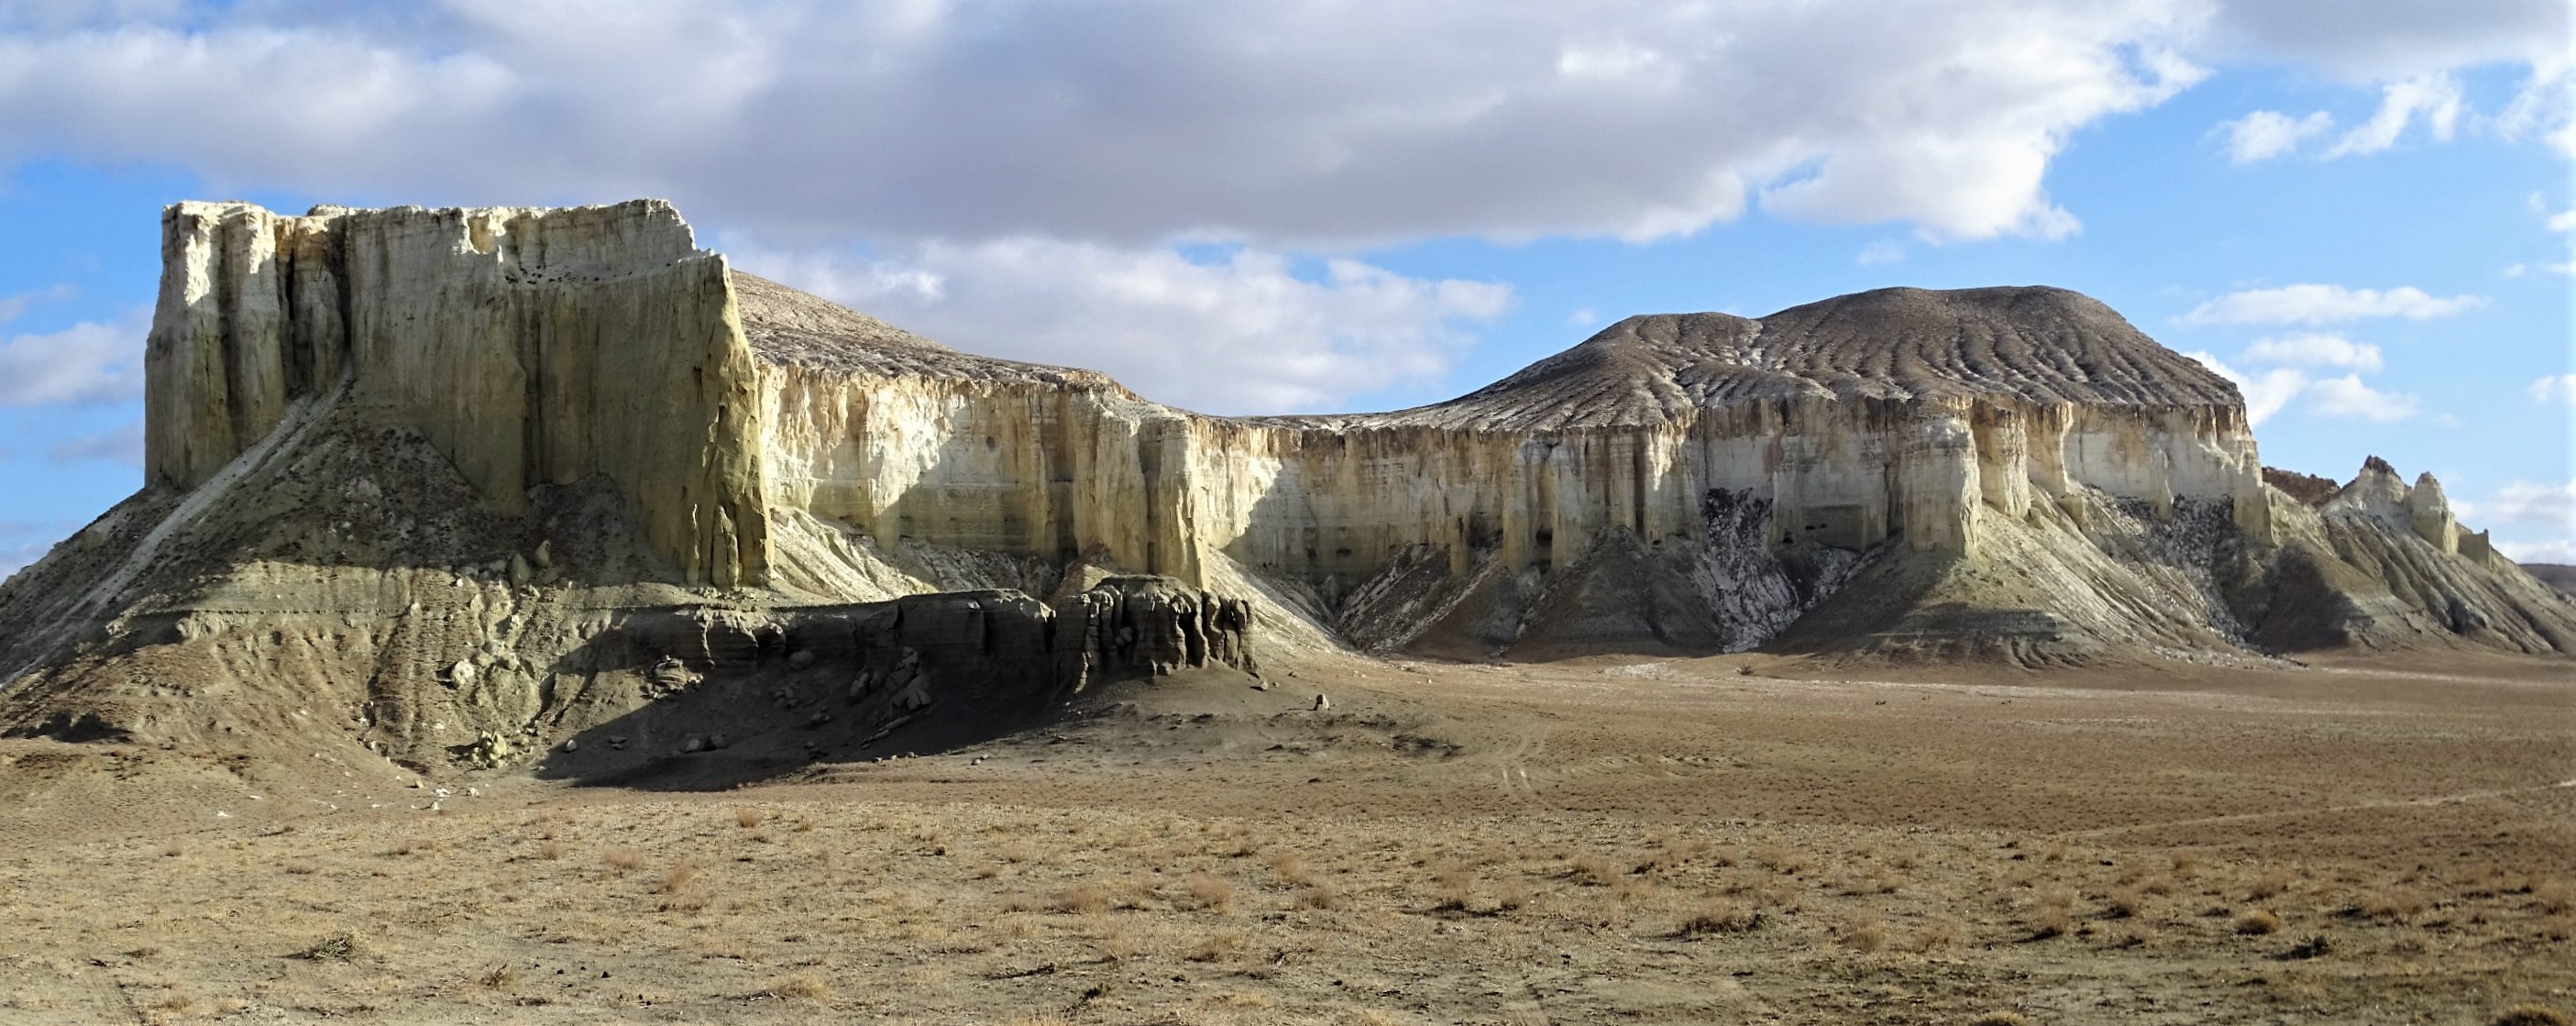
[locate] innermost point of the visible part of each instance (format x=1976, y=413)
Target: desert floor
x=1719, y=840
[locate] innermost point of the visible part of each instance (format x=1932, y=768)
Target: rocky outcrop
x=477, y=481
x=532, y=347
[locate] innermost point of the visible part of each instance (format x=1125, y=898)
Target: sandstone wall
x=533, y=347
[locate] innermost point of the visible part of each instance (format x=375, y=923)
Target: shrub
x=2273, y=883
x=2554, y=896
x=1457, y=886
x=2000, y=1019
x=2530, y=1015
x=624, y=860
x=339, y=947
x=1935, y=936
x=2259, y=921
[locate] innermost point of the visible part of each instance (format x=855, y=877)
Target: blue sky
x=2361, y=210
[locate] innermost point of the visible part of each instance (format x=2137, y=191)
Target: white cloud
x=2556, y=388
x=2530, y=502
x=1883, y=251
x=2432, y=100
x=2556, y=550
x=1245, y=335
x=88, y=362
x=2315, y=349
x=2265, y=134
x=1275, y=124
x=2346, y=396
x=119, y=444
x=2265, y=393
x=2326, y=304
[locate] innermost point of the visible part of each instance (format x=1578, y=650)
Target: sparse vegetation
x=2256, y=922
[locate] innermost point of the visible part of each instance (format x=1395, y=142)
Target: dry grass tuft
x=2000, y=1019
x=1216, y=947
x=300, y=867
x=503, y=977
x=1319, y=896
x=802, y=987
x=2553, y=896
x=2055, y=915
x=343, y=946
x=2257, y=922
x=624, y=860
x=551, y=850
x=677, y=878
x=1211, y=892
x=1291, y=868
x=2272, y=884
x=1596, y=870
x=1719, y=915
x=1117, y=945
x=1784, y=860
x=1935, y=936
x=2400, y=902
x=2529, y=1015
x=1084, y=900
x=748, y=818
x=1865, y=933
x=1457, y=886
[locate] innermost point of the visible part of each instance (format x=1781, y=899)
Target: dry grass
x=1215, y=947
x=1718, y=916
x=1865, y=933
x=623, y=860
x=2553, y=896
x=1596, y=870
x=1938, y=935
x=2529, y=1015
x=2272, y=884
x=2000, y=1019
x=2258, y=922
x=2399, y=902
x=748, y=818
x=1455, y=887
x=802, y=987
x=1211, y=892
x=1083, y=900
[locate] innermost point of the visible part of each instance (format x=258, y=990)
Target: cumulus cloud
x=2327, y=304
x=89, y=362
x=2556, y=550
x=2433, y=101
x=2410, y=52
x=2556, y=388
x=2531, y=502
x=2347, y=396
x=2265, y=134
x=1276, y=123
x=1245, y=334
x=2266, y=392
x=2315, y=349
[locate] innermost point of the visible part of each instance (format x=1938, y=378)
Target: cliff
x=386, y=444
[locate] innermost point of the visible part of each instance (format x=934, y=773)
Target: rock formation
x=540, y=473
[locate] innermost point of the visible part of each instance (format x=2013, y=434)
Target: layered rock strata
x=386, y=444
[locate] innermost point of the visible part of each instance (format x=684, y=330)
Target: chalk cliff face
x=387, y=444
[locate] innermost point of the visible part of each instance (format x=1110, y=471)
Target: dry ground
x=1590, y=841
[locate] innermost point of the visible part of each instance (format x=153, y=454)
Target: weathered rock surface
x=474, y=482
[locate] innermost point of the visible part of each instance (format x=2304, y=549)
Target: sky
x=2360, y=210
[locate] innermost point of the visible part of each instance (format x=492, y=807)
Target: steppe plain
x=1730, y=839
